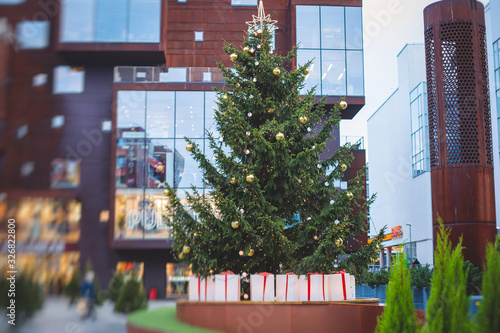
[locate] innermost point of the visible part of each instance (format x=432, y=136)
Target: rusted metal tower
x=460, y=141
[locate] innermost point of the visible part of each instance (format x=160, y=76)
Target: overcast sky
x=388, y=26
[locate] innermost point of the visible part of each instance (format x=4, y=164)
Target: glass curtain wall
x=150, y=150
x=419, y=130
x=110, y=21
x=331, y=36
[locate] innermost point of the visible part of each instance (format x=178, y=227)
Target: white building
x=398, y=155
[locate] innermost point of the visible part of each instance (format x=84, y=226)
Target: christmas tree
x=272, y=205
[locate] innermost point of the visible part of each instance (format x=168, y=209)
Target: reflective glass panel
x=210, y=107
x=186, y=171
x=332, y=27
x=144, y=21
x=160, y=159
x=354, y=28
x=111, y=21
x=68, y=80
x=155, y=211
x=32, y=34
x=131, y=163
x=313, y=78
x=307, y=25
x=355, y=85
x=333, y=76
x=243, y=2
x=77, y=21
x=130, y=114
x=160, y=114
x=129, y=213
x=189, y=114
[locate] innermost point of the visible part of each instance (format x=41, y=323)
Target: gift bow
x=309, y=285
x=265, y=275
x=286, y=288
x=343, y=272
x=226, y=273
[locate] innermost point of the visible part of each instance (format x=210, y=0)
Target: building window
x=332, y=37
x=198, y=36
x=68, y=80
x=151, y=126
x=243, y=2
x=496, y=57
x=419, y=130
x=110, y=21
x=32, y=34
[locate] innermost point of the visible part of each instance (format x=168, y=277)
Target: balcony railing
x=357, y=141
x=130, y=74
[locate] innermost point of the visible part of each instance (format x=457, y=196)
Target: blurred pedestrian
x=87, y=292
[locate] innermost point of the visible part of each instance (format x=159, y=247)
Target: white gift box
x=227, y=287
x=313, y=287
x=340, y=283
x=287, y=288
x=201, y=289
x=262, y=287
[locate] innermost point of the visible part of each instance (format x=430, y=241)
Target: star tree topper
x=262, y=20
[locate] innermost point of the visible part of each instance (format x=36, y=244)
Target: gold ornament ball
x=166, y=192
x=270, y=111
x=181, y=256
x=280, y=136
x=350, y=195
x=246, y=49
x=343, y=105
x=306, y=71
x=344, y=167
x=339, y=242
x=232, y=180
x=189, y=147
x=238, y=84
x=211, y=271
x=276, y=71
x=225, y=96
x=245, y=296
x=186, y=249
x=376, y=248
x=233, y=57
x=303, y=119
x=251, y=252
x=250, y=178
x=235, y=224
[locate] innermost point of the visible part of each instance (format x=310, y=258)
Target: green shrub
x=488, y=314
x=379, y=278
x=132, y=296
x=115, y=285
x=421, y=276
x=72, y=288
x=448, y=305
x=474, y=279
x=399, y=314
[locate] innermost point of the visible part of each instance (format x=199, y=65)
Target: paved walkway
x=57, y=317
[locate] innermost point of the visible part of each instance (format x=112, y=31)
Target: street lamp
x=411, y=246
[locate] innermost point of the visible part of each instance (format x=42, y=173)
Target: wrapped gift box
x=262, y=287
x=201, y=289
x=342, y=286
x=227, y=287
x=287, y=288
x=313, y=287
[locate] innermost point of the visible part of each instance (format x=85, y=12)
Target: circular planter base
x=359, y=316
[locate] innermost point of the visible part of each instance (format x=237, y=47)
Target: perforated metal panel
x=431, y=97
x=486, y=95
x=460, y=107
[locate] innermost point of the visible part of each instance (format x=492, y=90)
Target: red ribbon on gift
x=309, y=285
x=265, y=275
x=199, y=289
x=343, y=272
x=286, y=288
x=226, y=273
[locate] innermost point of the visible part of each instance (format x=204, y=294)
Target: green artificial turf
x=162, y=320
